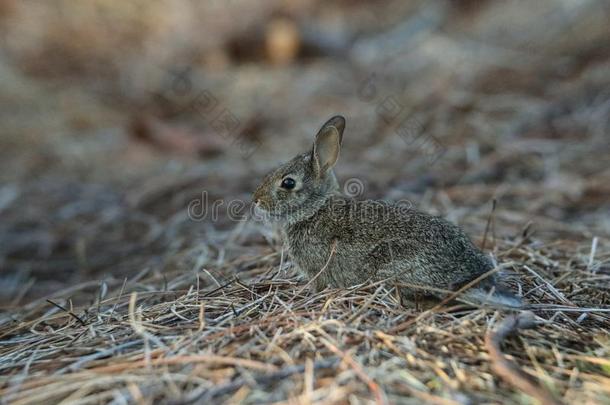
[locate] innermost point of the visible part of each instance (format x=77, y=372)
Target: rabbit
x=336, y=241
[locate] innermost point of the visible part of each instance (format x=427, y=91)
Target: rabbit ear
x=327, y=145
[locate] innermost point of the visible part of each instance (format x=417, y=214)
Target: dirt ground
x=132, y=135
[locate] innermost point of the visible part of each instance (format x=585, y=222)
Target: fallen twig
x=509, y=371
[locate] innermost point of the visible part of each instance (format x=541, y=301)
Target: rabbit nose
x=256, y=197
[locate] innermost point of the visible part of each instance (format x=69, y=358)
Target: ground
x=134, y=133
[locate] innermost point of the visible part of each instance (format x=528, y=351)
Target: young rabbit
x=341, y=242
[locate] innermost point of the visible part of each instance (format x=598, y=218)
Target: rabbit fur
x=341, y=242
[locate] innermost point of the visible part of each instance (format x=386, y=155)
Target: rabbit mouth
x=265, y=213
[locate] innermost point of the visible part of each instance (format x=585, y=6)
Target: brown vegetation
x=117, y=117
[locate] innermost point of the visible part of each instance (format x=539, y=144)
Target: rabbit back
x=372, y=240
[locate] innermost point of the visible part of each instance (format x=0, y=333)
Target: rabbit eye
x=288, y=183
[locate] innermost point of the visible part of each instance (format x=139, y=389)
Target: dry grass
x=262, y=337
x=110, y=293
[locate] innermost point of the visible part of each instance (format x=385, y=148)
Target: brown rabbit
x=342, y=242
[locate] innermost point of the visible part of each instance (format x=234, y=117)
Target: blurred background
x=116, y=115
